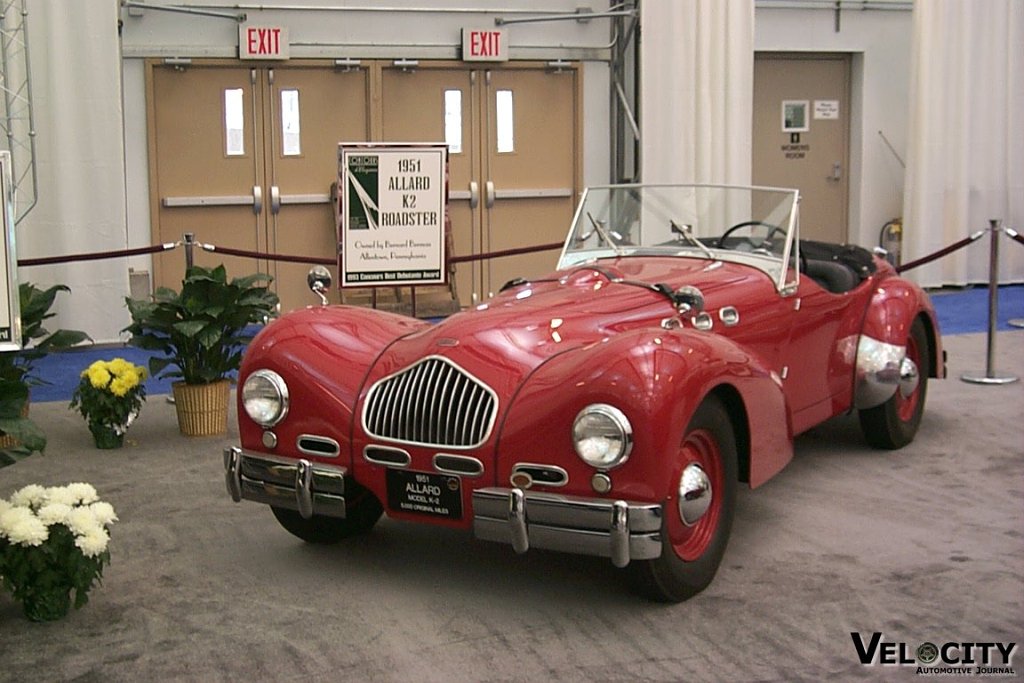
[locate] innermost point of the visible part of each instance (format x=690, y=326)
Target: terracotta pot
x=202, y=408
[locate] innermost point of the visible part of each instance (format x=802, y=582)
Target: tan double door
x=801, y=136
x=513, y=135
x=245, y=158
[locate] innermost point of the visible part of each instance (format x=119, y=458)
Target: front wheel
x=894, y=423
x=698, y=514
x=363, y=511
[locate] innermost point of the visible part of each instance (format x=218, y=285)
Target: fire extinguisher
x=891, y=238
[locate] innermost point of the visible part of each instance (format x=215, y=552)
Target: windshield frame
x=773, y=265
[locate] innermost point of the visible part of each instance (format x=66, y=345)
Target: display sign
x=392, y=207
x=262, y=42
x=826, y=109
x=10, y=311
x=794, y=116
x=484, y=45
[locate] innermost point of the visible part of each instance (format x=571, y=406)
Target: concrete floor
x=923, y=544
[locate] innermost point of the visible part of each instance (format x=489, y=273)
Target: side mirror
x=319, y=281
x=688, y=298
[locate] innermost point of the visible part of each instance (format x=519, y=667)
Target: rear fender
x=657, y=380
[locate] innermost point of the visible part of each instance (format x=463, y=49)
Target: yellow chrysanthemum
x=119, y=366
x=119, y=386
x=98, y=376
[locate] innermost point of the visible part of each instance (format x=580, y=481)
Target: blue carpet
x=960, y=311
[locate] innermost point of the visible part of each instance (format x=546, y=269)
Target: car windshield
x=752, y=225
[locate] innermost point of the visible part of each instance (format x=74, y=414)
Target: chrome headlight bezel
x=602, y=436
x=265, y=398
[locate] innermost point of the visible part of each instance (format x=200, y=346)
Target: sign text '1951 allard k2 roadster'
x=609, y=408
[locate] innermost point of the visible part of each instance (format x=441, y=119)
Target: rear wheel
x=894, y=423
x=699, y=513
x=363, y=511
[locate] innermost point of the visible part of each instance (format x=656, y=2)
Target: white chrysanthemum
x=82, y=521
x=21, y=527
x=104, y=512
x=33, y=494
x=61, y=494
x=94, y=542
x=4, y=505
x=83, y=493
x=54, y=513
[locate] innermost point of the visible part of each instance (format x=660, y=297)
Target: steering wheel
x=747, y=224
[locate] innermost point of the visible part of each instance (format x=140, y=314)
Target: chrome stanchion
x=1013, y=322
x=990, y=376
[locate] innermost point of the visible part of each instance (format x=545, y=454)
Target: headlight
x=265, y=397
x=602, y=436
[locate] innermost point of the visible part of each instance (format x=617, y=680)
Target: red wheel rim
x=690, y=542
x=906, y=406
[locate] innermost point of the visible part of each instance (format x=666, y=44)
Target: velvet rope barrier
x=97, y=255
x=506, y=252
x=1014, y=235
x=268, y=256
x=941, y=252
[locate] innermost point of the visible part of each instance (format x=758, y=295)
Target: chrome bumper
x=311, y=489
x=616, y=529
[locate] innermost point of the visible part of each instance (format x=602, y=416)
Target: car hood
x=503, y=340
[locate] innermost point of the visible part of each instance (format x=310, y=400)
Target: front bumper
x=620, y=530
x=311, y=489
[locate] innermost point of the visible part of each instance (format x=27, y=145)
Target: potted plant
x=53, y=541
x=201, y=333
x=19, y=436
x=109, y=396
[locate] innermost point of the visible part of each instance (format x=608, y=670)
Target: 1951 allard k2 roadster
x=609, y=408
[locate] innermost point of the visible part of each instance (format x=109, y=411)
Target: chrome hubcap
x=909, y=377
x=694, y=494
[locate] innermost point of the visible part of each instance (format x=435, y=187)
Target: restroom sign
x=262, y=42
x=484, y=45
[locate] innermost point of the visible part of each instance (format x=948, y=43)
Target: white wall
x=879, y=41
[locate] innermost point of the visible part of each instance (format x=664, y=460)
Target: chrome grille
x=433, y=403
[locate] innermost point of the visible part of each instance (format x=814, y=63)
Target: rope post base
x=990, y=376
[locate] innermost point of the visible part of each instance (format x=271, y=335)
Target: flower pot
x=202, y=408
x=8, y=441
x=106, y=437
x=47, y=605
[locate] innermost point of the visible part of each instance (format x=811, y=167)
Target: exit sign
x=262, y=42
x=484, y=45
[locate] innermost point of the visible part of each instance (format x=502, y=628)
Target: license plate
x=437, y=495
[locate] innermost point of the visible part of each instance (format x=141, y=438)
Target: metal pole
x=190, y=242
x=993, y=303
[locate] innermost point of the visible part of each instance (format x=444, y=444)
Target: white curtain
x=76, y=88
x=966, y=136
x=697, y=84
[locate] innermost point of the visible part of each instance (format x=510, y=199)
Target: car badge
x=447, y=341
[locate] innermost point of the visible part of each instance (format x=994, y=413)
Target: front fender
x=323, y=354
x=657, y=378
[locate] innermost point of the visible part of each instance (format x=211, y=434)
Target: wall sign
x=484, y=45
x=794, y=116
x=262, y=42
x=392, y=209
x=826, y=109
x=10, y=311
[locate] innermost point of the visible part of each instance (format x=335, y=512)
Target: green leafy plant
x=201, y=331
x=19, y=436
x=53, y=541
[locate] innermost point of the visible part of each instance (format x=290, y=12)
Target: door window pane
x=506, y=131
x=234, y=122
x=453, y=120
x=291, y=143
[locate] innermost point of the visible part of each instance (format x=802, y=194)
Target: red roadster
x=609, y=408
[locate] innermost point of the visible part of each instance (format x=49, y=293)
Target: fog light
x=601, y=482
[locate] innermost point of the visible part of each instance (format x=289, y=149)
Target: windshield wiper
x=604, y=234
x=686, y=232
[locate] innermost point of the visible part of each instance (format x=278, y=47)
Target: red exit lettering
x=264, y=41
x=485, y=43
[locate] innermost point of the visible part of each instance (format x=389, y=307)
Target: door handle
x=474, y=194
x=489, y=189
x=275, y=199
x=837, y=172
x=257, y=199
